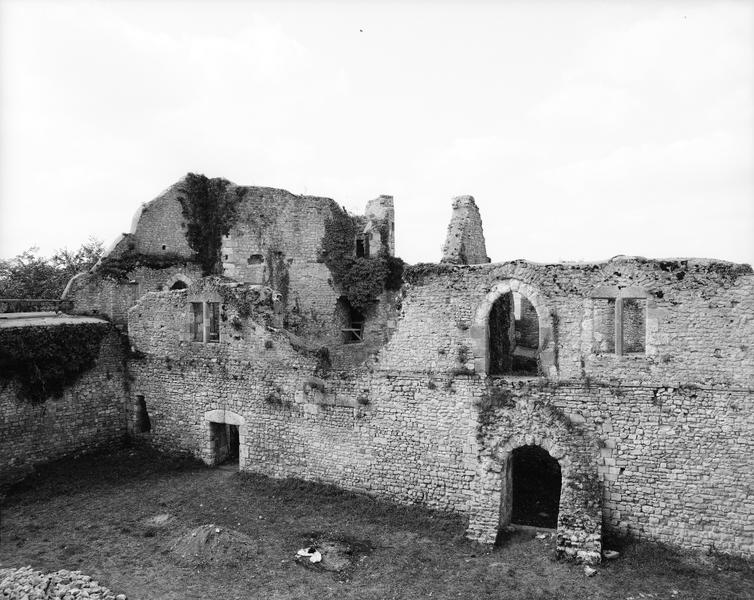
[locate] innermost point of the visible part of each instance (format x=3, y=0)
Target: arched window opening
x=179, y=285
x=536, y=482
x=351, y=322
x=513, y=336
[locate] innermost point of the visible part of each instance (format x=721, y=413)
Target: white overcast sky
x=583, y=129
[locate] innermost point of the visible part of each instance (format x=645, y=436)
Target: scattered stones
x=160, y=520
x=590, y=571
x=611, y=554
x=30, y=584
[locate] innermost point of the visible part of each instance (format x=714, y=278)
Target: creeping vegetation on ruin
x=46, y=360
x=209, y=213
x=119, y=268
x=279, y=277
x=361, y=279
x=418, y=273
x=244, y=302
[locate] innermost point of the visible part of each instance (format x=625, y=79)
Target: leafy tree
x=29, y=275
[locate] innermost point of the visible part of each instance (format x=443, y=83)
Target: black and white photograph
x=362, y=300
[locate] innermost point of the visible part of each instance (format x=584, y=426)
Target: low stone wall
x=89, y=415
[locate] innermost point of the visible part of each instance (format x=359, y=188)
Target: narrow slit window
x=213, y=313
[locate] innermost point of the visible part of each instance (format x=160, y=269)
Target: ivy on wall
x=361, y=279
x=209, y=213
x=119, y=268
x=46, y=360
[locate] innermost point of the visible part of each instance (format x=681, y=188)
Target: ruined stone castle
x=279, y=328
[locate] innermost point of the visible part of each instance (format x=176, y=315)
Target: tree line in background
x=29, y=275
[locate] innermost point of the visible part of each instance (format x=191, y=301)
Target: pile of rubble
x=25, y=583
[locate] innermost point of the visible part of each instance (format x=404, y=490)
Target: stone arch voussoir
x=176, y=278
x=579, y=528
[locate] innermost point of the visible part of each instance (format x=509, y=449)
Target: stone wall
x=659, y=451
x=159, y=226
x=110, y=298
x=698, y=327
x=641, y=391
x=89, y=415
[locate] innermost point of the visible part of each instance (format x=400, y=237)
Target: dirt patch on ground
x=339, y=555
x=213, y=545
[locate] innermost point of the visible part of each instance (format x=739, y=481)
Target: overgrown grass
x=91, y=514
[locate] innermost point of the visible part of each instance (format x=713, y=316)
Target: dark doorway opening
x=179, y=285
x=142, y=424
x=536, y=482
x=225, y=443
x=351, y=321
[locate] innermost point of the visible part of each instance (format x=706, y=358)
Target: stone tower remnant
x=465, y=242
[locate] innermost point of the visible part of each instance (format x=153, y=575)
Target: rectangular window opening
x=197, y=321
x=603, y=318
x=634, y=325
x=360, y=248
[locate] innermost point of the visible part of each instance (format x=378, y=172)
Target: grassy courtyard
x=115, y=517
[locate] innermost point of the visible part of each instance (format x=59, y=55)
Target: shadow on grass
x=101, y=468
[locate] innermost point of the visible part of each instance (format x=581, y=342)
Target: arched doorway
x=535, y=484
x=179, y=285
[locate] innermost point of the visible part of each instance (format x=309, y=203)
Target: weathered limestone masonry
x=465, y=242
x=633, y=376
x=90, y=414
x=274, y=238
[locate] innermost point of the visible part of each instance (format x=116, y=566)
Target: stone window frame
x=479, y=330
x=206, y=303
x=228, y=417
x=619, y=294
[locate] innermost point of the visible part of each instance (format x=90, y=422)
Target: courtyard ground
x=97, y=514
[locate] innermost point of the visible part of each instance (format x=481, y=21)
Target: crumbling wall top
x=465, y=242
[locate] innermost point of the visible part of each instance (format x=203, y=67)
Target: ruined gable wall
x=89, y=415
x=270, y=221
x=160, y=222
